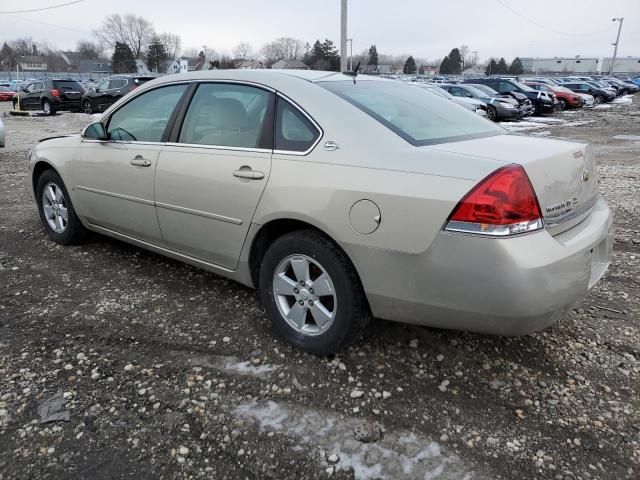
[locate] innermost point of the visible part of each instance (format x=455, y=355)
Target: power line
x=544, y=27
x=45, y=8
x=49, y=24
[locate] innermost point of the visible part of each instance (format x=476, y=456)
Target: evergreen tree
x=516, y=67
x=502, y=66
x=331, y=55
x=410, y=66
x=122, y=60
x=156, y=55
x=373, y=55
x=445, y=66
x=455, y=61
x=492, y=68
x=323, y=56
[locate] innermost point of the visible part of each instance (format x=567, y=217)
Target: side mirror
x=95, y=131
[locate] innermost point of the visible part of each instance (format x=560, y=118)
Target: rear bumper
x=497, y=286
x=67, y=104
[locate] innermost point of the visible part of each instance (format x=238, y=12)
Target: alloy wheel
x=305, y=295
x=491, y=113
x=46, y=107
x=87, y=107
x=55, y=207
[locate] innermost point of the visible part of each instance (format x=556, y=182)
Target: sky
x=422, y=28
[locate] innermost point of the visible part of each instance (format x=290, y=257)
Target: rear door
x=211, y=176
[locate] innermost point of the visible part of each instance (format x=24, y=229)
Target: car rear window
x=415, y=114
x=69, y=85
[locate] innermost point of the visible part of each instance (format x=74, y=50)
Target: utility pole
x=615, y=49
x=343, y=36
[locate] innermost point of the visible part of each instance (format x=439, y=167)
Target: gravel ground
x=155, y=369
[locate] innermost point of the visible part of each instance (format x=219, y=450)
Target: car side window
x=102, y=86
x=29, y=88
x=228, y=115
x=145, y=118
x=294, y=131
x=115, y=84
x=507, y=87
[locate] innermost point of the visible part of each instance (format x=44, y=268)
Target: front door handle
x=139, y=161
x=246, y=172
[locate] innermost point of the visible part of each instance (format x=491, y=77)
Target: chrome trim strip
x=199, y=213
x=218, y=147
x=121, y=142
x=313, y=122
x=117, y=195
x=156, y=247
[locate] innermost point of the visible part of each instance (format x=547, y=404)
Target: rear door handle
x=139, y=161
x=248, y=173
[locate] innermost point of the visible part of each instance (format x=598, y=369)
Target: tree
x=156, y=54
x=323, y=56
x=122, y=60
x=242, y=50
x=492, y=67
x=8, y=57
x=172, y=44
x=464, y=54
x=445, y=66
x=502, y=66
x=283, y=48
x=131, y=30
x=410, y=66
x=516, y=67
x=373, y=55
x=455, y=61
x=89, y=50
x=421, y=70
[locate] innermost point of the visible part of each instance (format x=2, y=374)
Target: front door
x=114, y=179
x=209, y=182
x=31, y=98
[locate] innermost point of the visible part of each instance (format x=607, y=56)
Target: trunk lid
x=563, y=174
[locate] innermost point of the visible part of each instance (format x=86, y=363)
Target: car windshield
x=476, y=92
x=5, y=89
x=523, y=87
x=415, y=114
x=439, y=91
x=486, y=89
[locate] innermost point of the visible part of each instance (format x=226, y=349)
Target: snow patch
x=247, y=368
x=626, y=99
x=627, y=137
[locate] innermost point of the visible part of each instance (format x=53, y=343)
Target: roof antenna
x=353, y=74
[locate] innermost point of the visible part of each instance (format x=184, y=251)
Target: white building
x=580, y=65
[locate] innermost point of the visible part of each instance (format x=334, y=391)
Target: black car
x=599, y=95
x=50, y=96
x=497, y=108
x=542, y=102
x=111, y=90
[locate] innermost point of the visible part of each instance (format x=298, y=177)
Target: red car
x=6, y=94
x=566, y=98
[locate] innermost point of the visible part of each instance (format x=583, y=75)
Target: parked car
x=6, y=94
x=634, y=88
x=50, y=96
x=604, y=86
x=497, y=108
x=587, y=100
x=2, y=133
x=524, y=104
x=566, y=98
x=338, y=200
x=542, y=102
x=471, y=104
x=599, y=95
x=110, y=91
x=621, y=87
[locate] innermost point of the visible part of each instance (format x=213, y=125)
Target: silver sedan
x=340, y=198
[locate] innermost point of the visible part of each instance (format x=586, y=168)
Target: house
x=397, y=69
x=290, y=65
x=141, y=66
x=250, y=65
x=376, y=69
x=97, y=65
x=71, y=59
x=33, y=63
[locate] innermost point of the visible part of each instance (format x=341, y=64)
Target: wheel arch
x=38, y=169
x=274, y=229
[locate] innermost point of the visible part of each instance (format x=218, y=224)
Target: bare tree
x=284, y=48
x=172, y=44
x=89, y=50
x=242, y=50
x=133, y=31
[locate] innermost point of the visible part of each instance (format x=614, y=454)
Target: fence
x=11, y=75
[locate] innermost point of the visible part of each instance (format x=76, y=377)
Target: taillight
x=502, y=204
x=55, y=92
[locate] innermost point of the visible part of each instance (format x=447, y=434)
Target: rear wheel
x=87, y=107
x=598, y=99
x=492, y=114
x=47, y=108
x=311, y=293
x=56, y=210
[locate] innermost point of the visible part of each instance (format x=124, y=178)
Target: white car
x=587, y=100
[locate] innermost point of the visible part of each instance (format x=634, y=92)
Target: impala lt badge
x=585, y=175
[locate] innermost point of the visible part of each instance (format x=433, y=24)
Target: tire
x=87, y=107
x=598, y=99
x=492, y=114
x=562, y=104
x=47, y=108
x=343, y=311
x=68, y=232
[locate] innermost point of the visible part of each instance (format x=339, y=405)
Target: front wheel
x=491, y=113
x=56, y=210
x=598, y=99
x=562, y=104
x=311, y=293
